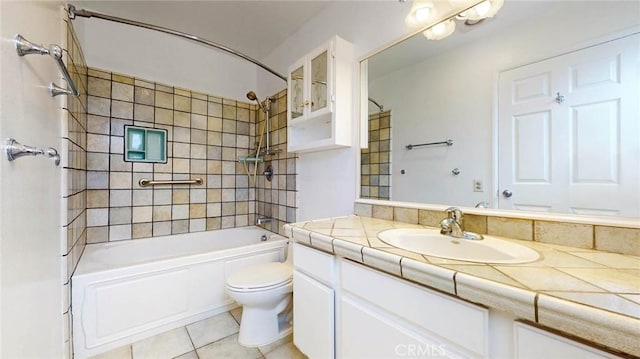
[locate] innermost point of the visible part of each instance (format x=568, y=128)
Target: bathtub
x=126, y=291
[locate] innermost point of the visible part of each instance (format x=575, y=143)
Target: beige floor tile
x=189, y=355
x=118, y=353
x=271, y=347
x=227, y=348
x=212, y=329
x=236, y=314
x=285, y=351
x=165, y=345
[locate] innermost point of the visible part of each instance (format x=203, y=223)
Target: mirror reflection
x=540, y=103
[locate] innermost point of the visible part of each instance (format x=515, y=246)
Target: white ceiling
x=254, y=28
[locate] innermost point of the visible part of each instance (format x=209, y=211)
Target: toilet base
x=265, y=329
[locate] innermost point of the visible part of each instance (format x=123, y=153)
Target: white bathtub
x=126, y=291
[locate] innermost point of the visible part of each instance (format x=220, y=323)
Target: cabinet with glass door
x=319, y=98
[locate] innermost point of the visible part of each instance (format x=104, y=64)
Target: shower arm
x=73, y=12
x=377, y=104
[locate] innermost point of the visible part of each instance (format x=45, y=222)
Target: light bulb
x=421, y=12
x=483, y=8
x=440, y=30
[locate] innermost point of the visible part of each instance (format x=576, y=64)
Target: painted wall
x=31, y=262
x=165, y=58
x=451, y=96
x=327, y=180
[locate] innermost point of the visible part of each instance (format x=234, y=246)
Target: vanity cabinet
x=319, y=98
x=313, y=302
x=343, y=309
x=381, y=316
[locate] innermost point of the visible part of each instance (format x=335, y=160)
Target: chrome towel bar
x=145, y=182
x=447, y=142
x=26, y=47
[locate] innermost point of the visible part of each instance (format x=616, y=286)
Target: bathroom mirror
x=540, y=104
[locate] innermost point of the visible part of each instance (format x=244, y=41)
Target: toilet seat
x=260, y=277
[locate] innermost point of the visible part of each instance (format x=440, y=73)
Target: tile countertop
x=591, y=294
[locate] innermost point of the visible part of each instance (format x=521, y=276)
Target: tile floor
x=214, y=337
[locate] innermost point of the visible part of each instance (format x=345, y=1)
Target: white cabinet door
x=313, y=317
x=366, y=334
x=534, y=343
x=568, y=131
x=319, y=97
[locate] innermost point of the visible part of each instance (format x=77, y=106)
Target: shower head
x=265, y=105
x=252, y=96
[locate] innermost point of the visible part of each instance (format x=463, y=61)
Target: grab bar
x=145, y=182
x=26, y=47
x=447, y=142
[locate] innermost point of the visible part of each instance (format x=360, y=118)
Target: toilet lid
x=260, y=275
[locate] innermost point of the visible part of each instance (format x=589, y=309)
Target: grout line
x=535, y=306
x=455, y=283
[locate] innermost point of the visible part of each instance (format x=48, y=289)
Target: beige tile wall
x=607, y=238
x=277, y=199
x=206, y=136
x=74, y=162
x=375, y=178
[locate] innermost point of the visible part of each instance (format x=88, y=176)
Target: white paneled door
x=569, y=132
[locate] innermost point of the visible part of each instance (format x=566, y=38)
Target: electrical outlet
x=477, y=186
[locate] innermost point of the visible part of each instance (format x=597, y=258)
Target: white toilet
x=265, y=292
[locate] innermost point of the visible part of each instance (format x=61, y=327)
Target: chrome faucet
x=262, y=220
x=453, y=225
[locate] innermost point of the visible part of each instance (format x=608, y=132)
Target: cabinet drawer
x=314, y=263
x=367, y=334
x=534, y=343
x=464, y=324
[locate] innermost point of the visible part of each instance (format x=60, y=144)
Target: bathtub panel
x=120, y=296
x=126, y=305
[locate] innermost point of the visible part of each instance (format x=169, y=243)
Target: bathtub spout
x=263, y=220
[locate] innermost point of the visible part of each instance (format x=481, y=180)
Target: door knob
x=507, y=193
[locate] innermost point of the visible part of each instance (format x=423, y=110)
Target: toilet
x=265, y=292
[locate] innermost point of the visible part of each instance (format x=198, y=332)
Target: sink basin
x=432, y=243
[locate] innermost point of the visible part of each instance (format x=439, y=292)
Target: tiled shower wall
x=375, y=180
x=74, y=165
x=276, y=199
x=206, y=135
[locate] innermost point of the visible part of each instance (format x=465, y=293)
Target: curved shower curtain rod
x=73, y=12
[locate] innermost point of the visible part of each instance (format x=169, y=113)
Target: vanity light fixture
x=440, y=30
x=471, y=16
x=420, y=13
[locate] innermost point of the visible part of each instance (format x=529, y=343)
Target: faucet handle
x=454, y=213
x=445, y=225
